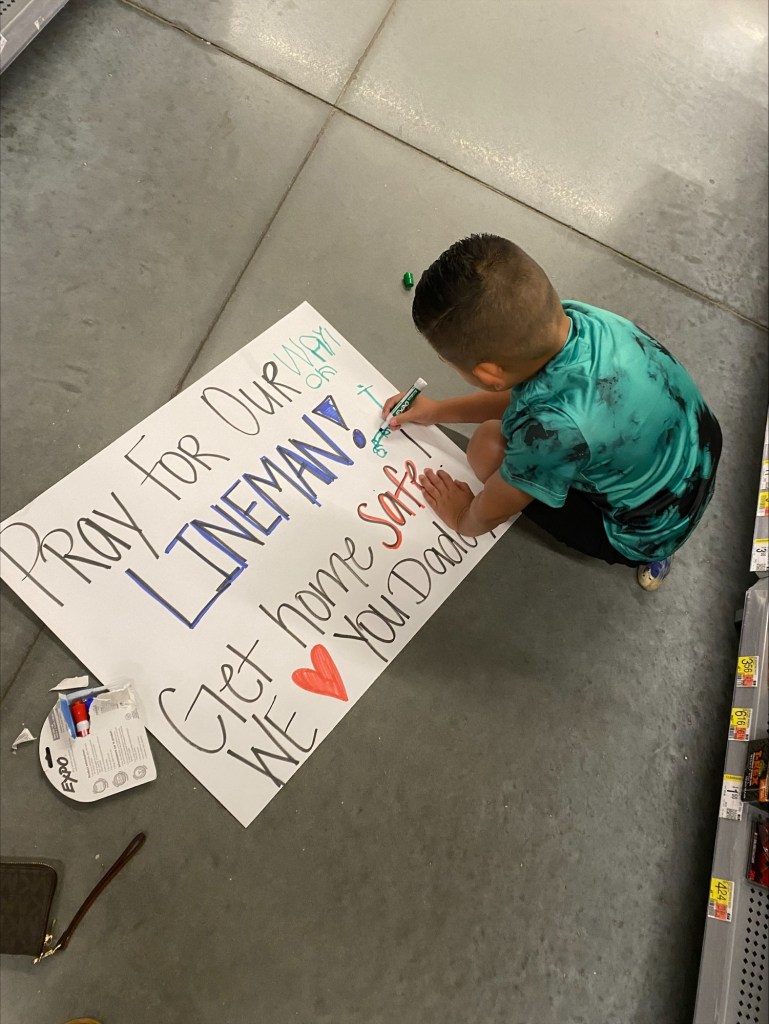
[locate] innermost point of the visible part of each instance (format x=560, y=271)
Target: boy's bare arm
x=468, y=514
x=477, y=408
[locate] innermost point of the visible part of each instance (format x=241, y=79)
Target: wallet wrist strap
x=133, y=847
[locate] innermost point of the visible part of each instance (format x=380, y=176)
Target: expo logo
x=68, y=781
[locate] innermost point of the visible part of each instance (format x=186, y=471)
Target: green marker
x=408, y=400
x=408, y=280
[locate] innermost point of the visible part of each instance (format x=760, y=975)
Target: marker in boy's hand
x=423, y=411
x=587, y=424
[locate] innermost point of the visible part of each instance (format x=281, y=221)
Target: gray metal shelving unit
x=734, y=970
x=20, y=22
x=759, y=561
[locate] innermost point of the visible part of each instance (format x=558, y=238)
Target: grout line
x=711, y=300
x=22, y=663
x=141, y=9
x=718, y=303
x=367, y=50
x=253, y=253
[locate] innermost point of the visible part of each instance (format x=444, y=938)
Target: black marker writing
x=181, y=464
x=304, y=459
x=321, y=589
x=92, y=545
x=237, y=410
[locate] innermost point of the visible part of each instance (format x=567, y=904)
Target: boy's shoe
x=652, y=576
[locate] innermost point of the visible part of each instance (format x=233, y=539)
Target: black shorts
x=579, y=525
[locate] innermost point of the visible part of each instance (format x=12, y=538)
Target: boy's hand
x=447, y=497
x=424, y=411
x=472, y=515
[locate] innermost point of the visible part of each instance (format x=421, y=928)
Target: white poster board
x=245, y=558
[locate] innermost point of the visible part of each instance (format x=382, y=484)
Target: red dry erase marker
x=80, y=717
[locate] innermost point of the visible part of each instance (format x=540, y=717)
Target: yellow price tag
x=763, y=503
x=739, y=724
x=720, y=903
x=747, y=670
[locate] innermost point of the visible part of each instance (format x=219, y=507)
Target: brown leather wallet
x=26, y=894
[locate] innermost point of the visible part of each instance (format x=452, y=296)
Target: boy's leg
x=578, y=524
x=486, y=449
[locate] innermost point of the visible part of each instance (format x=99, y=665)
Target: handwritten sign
x=245, y=558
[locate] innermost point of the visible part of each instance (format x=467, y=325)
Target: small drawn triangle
x=329, y=411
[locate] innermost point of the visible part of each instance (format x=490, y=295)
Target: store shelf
x=759, y=559
x=734, y=971
x=20, y=22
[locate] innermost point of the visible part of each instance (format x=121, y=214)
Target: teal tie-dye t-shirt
x=615, y=416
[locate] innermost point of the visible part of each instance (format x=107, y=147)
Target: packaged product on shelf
x=758, y=864
x=755, y=784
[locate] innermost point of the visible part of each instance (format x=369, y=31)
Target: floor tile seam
x=634, y=261
x=262, y=235
x=22, y=663
x=361, y=60
x=225, y=50
x=606, y=246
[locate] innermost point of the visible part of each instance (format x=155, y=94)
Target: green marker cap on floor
x=408, y=279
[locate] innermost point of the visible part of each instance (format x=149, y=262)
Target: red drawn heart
x=323, y=677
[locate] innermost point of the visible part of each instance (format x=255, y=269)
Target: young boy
x=588, y=426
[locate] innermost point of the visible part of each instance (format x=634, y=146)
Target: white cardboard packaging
x=113, y=757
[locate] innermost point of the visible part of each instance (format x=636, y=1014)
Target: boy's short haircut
x=485, y=300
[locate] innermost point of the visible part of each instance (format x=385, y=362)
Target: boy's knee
x=486, y=449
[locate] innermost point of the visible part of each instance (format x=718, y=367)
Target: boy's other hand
x=447, y=497
x=424, y=412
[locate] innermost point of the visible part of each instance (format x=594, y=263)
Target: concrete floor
x=515, y=825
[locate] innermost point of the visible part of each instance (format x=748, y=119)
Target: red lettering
x=393, y=502
x=384, y=522
x=392, y=507
x=411, y=474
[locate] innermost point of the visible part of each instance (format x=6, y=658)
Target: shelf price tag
x=721, y=898
x=731, y=798
x=739, y=724
x=764, y=485
x=763, y=503
x=747, y=670
x=760, y=560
